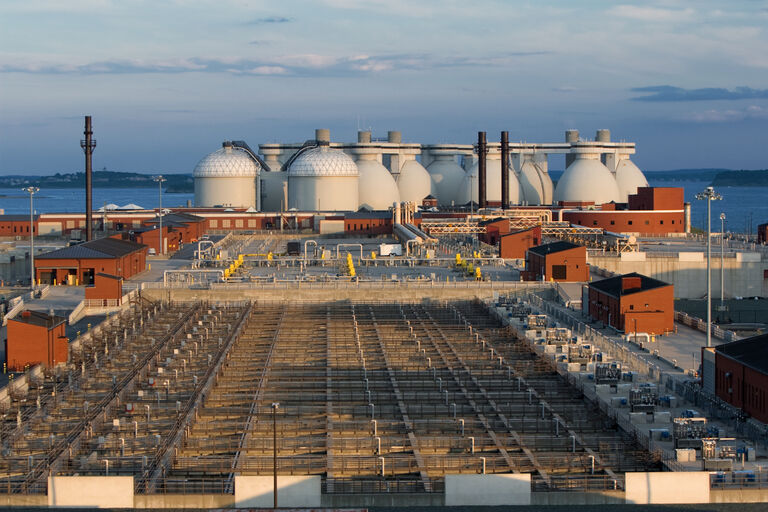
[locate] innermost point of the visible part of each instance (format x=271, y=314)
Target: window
x=613, y=222
x=661, y=222
x=225, y=223
x=594, y=223
x=673, y=222
x=631, y=306
x=214, y=223
x=647, y=222
x=239, y=223
x=765, y=273
x=629, y=222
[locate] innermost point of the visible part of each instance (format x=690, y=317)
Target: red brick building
x=78, y=264
x=16, y=225
x=514, y=245
x=106, y=287
x=368, y=223
x=35, y=338
x=741, y=375
x=653, y=210
x=762, y=233
x=494, y=229
x=633, y=303
x=558, y=261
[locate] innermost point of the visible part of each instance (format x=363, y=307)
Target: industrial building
x=514, y=245
x=737, y=373
x=632, y=303
x=78, y=264
x=34, y=338
x=556, y=261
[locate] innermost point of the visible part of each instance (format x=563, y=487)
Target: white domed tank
x=492, y=183
x=447, y=176
x=378, y=189
x=226, y=177
x=414, y=182
x=628, y=178
x=587, y=179
x=322, y=178
x=534, y=184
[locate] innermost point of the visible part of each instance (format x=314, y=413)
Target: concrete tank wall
x=226, y=191
x=322, y=193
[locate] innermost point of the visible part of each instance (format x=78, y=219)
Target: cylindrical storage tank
x=226, y=177
x=603, y=135
x=628, y=178
x=532, y=184
x=414, y=182
x=571, y=137
x=447, y=176
x=470, y=186
x=378, y=189
x=587, y=180
x=323, y=179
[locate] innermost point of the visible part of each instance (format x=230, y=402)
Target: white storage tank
x=447, y=176
x=628, y=178
x=226, y=177
x=535, y=184
x=378, y=189
x=587, y=179
x=323, y=179
x=414, y=182
x=492, y=183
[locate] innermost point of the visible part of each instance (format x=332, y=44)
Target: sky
x=166, y=81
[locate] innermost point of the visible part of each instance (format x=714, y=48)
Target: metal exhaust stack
x=481, y=153
x=88, y=145
x=504, y=170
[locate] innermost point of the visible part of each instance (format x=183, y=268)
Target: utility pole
x=709, y=195
x=159, y=179
x=31, y=191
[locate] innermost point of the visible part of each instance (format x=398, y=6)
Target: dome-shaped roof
x=447, y=176
x=629, y=178
x=323, y=161
x=587, y=179
x=533, y=184
x=226, y=162
x=469, y=188
x=377, y=188
x=414, y=182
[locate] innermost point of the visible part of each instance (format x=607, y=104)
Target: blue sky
x=167, y=81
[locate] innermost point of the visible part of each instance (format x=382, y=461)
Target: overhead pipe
x=481, y=153
x=504, y=170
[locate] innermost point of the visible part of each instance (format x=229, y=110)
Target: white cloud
x=727, y=115
x=645, y=13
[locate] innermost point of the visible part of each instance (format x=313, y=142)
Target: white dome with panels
x=323, y=179
x=226, y=177
x=226, y=162
x=323, y=161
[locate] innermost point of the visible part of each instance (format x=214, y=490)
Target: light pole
x=275, y=406
x=722, y=267
x=709, y=195
x=160, y=180
x=31, y=191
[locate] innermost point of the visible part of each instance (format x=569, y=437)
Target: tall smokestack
x=88, y=145
x=481, y=154
x=504, y=170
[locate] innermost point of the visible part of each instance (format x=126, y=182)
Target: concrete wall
x=667, y=487
x=90, y=491
x=292, y=491
x=487, y=490
x=688, y=273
